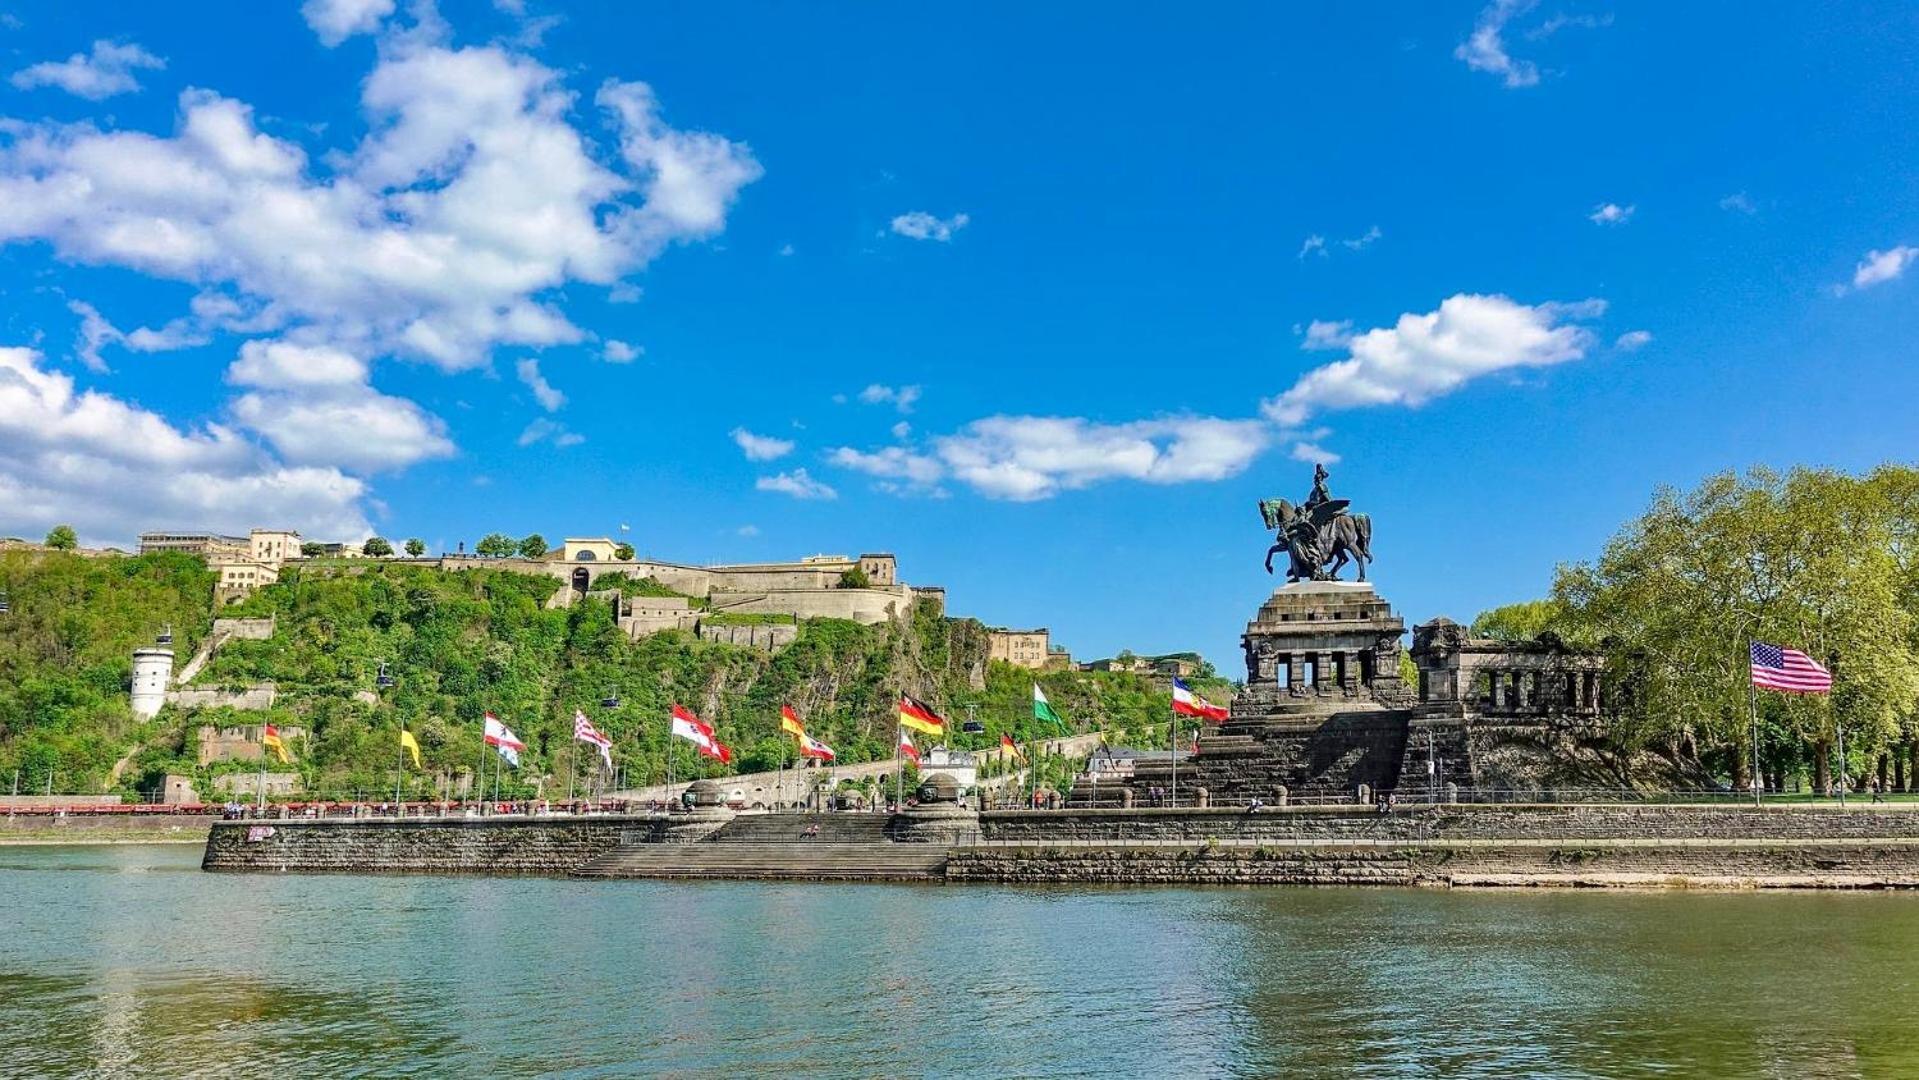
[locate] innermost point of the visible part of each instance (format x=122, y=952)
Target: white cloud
x=901, y=398
x=902, y=470
x=786, y=249
x=446, y=230
x=545, y=430
x=920, y=225
x=1883, y=266
x=747, y=530
x=1365, y=240
x=439, y=235
x=761, y=447
x=1035, y=457
x=1313, y=453
x=336, y=20
x=1424, y=356
x=1321, y=334
x=1740, y=202
x=96, y=333
x=902, y=429
x=797, y=484
x=1313, y=243
x=113, y=469
x=1485, y=49
x=1633, y=339
x=1611, y=214
x=619, y=352
x=106, y=71
x=549, y=398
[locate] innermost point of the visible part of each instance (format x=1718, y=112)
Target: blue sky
x=1042, y=301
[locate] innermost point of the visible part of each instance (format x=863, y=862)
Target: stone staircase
x=804, y=860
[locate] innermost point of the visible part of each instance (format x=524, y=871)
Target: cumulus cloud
x=1312, y=244
x=444, y=231
x=760, y=447
x=900, y=471
x=439, y=235
x=96, y=75
x=1424, y=356
x=333, y=21
x=549, y=398
x=900, y=397
x=1879, y=267
x=797, y=484
x=619, y=352
x=920, y=225
x=1035, y=457
x=1313, y=453
x=1633, y=339
x=1739, y=202
x=1611, y=214
x=113, y=468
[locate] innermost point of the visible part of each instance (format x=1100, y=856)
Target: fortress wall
x=255, y=698
x=243, y=629
x=860, y=605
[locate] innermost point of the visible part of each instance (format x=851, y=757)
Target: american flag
x=1788, y=670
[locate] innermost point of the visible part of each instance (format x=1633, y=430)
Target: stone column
x=1296, y=673
x=1323, y=673
x=1521, y=695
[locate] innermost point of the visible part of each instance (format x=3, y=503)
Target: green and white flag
x=1043, y=709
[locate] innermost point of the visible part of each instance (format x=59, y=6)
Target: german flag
x=790, y=722
x=1008, y=746
x=270, y=740
x=919, y=716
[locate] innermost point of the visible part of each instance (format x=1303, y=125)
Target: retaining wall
x=495, y=846
x=1783, y=864
x=1460, y=822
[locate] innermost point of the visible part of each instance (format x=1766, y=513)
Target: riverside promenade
x=1689, y=846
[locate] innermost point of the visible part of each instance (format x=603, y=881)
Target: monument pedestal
x=1324, y=708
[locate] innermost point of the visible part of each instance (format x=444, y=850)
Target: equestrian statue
x=1319, y=535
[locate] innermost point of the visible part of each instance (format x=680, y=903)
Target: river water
x=128, y=960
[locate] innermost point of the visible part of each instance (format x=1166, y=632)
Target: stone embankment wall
x=496, y=845
x=1805, y=864
x=1460, y=822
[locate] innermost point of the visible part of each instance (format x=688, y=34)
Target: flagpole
x=400, y=773
x=899, y=766
x=573, y=763
x=1752, y=703
x=1832, y=665
x=261, y=794
x=1173, y=754
x=479, y=775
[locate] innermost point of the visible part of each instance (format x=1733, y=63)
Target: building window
x=584, y=556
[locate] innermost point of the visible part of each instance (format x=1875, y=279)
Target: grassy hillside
x=459, y=643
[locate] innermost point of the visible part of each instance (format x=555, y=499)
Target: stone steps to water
x=803, y=860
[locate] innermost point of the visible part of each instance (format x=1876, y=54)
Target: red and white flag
x=501, y=738
x=1187, y=703
x=813, y=748
x=906, y=747
x=584, y=731
x=700, y=734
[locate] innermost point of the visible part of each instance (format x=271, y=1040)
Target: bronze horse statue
x=1320, y=538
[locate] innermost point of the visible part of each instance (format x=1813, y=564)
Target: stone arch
x=582, y=580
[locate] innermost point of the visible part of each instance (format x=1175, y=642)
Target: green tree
x=416, y=547
x=623, y=551
x=855, y=579
x=62, y=538
x=533, y=546
x=1523, y=621
x=1810, y=560
x=495, y=546
x=312, y=549
x=377, y=547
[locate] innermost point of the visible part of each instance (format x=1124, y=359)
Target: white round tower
x=152, y=671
